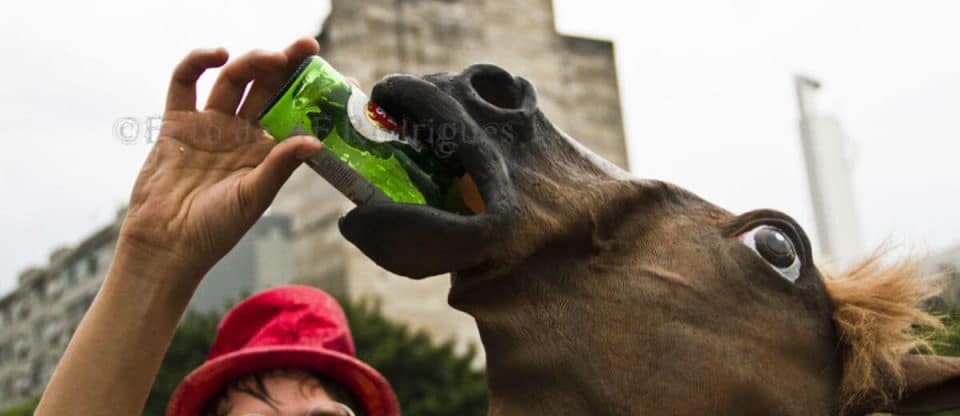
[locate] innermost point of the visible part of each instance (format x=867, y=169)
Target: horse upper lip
x=405, y=97
x=429, y=115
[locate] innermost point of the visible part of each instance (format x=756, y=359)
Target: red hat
x=287, y=327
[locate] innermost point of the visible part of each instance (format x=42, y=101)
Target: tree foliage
x=23, y=409
x=188, y=348
x=947, y=343
x=430, y=379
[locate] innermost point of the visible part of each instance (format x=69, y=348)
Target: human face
x=291, y=398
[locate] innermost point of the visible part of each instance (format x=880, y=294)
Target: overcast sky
x=706, y=87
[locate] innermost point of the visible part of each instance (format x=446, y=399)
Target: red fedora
x=287, y=327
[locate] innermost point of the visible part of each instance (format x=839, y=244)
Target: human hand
x=212, y=173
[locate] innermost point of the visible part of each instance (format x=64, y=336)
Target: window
x=54, y=289
x=40, y=289
x=71, y=274
x=63, y=339
x=20, y=385
x=20, y=348
x=92, y=264
x=22, y=310
x=38, y=331
x=36, y=373
x=78, y=269
x=50, y=332
x=76, y=310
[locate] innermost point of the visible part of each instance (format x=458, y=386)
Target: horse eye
x=775, y=248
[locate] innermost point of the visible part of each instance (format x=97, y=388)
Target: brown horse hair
x=878, y=314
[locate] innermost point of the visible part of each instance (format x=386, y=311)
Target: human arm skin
x=209, y=177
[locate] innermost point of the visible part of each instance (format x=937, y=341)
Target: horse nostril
x=497, y=87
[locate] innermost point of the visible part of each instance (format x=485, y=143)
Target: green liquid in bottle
x=361, y=158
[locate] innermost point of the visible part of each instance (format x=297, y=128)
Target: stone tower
x=577, y=89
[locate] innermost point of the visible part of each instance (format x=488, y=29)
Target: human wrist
x=140, y=260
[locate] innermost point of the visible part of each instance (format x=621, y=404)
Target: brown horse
x=599, y=294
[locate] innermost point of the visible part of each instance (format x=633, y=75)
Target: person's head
x=284, y=391
x=284, y=351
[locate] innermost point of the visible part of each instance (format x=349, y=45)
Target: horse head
x=598, y=293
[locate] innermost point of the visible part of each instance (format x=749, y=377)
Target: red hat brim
x=367, y=385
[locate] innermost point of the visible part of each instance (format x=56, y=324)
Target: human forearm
x=200, y=189
x=109, y=365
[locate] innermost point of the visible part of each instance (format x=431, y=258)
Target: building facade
x=40, y=315
x=575, y=79
x=38, y=318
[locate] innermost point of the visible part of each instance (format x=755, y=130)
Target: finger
x=265, y=88
x=419, y=241
x=182, y=94
x=302, y=47
x=233, y=79
x=261, y=185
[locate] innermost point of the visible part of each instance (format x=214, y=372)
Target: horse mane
x=878, y=311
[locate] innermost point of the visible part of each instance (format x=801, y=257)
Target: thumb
x=261, y=185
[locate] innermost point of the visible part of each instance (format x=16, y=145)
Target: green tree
x=430, y=379
x=947, y=342
x=23, y=409
x=188, y=349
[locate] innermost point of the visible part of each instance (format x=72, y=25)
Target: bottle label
x=379, y=116
x=346, y=180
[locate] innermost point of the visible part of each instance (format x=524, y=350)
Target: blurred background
x=842, y=114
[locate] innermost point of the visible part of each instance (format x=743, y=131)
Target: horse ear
x=931, y=383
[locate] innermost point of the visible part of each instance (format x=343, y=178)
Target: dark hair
x=252, y=384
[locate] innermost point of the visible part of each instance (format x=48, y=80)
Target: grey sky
x=706, y=87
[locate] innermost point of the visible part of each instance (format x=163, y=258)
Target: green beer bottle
x=363, y=156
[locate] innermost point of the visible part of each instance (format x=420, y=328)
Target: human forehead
x=291, y=396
